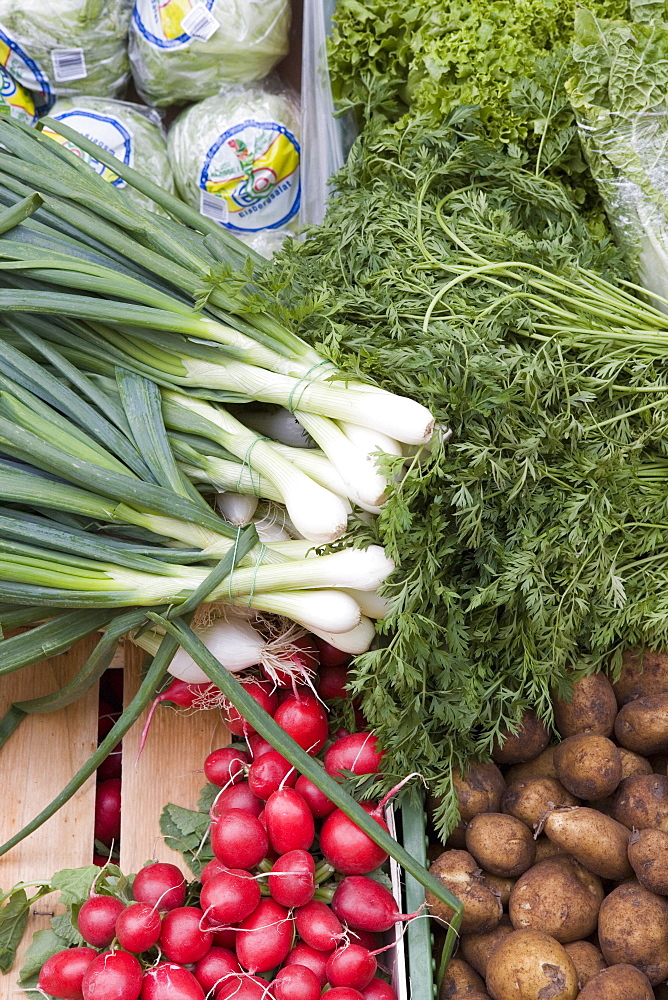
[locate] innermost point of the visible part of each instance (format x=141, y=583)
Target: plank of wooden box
x=169, y=770
x=35, y=764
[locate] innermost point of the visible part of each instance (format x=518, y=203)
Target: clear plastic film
x=236, y=158
x=620, y=97
x=131, y=132
x=65, y=46
x=186, y=50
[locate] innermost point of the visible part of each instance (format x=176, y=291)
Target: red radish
x=366, y=905
x=216, y=964
x=332, y=681
x=264, y=696
x=160, y=884
x=97, y=920
x=318, y=926
x=316, y=961
x=225, y=938
x=295, y=982
x=356, y=752
x=258, y=745
x=348, y=848
x=329, y=655
x=183, y=938
x=112, y=766
x=351, y=966
x=378, y=989
x=225, y=766
x=316, y=800
x=229, y=897
x=301, y=659
x=111, y=687
x=106, y=719
x=242, y=987
x=267, y=773
x=112, y=975
x=184, y=695
x=100, y=861
x=292, y=879
x=61, y=975
x=263, y=819
x=305, y=720
x=169, y=981
x=264, y=938
x=108, y=811
x=367, y=939
x=238, y=839
x=238, y=797
x=344, y=993
x=138, y=927
x=299, y=691
x=290, y=823
x=211, y=868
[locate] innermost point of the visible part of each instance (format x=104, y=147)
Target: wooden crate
x=42, y=755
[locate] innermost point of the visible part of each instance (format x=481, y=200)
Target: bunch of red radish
x=259, y=923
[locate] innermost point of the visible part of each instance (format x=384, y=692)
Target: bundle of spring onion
x=143, y=377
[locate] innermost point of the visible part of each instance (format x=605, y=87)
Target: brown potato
x=476, y=948
x=531, y=798
x=648, y=854
x=641, y=802
x=598, y=842
x=633, y=930
x=500, y=844
x=633, y=763
x=541, y=766
x=558, y=897
x=460, y=980
x=459, y=873
x=592, y=709
x=644, y=672
x=586, y=958
x=642, y=725
x=529, y=965
x=588, y=766
x=619, y=982
x=478, y=790
x=546, y=849
x=530, y=739
x=500, y=885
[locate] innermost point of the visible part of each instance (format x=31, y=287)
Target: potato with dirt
x=588, y=766
x=633, y=763
x=591, y=709
x=597, y=841
x=529, y=799
x=558, y=897
x=546, y=849
x=644, y=671
x=586, y=958
x=648, y=854
x=642, y=725
x=619, y=982
x=477, y=948
x=500, y=885
x=479, y=789
x=633, y=930
x=459, y=872
x=541, y=766
x=528, y=742
x=460, y=981
x=501, y=844
x=529, y=965
x=641, y=802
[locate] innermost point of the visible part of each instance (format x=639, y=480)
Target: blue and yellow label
x=106, y=131
x=26, y=71
x=160, y=23
x=254, y=169
x=15, y=101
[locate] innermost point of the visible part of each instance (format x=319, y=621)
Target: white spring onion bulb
x=370, y=441
x=371, y=603
x=331, y=610
x=363, y=483
x=354, y=642
x=315, y=464
x=281, y=425
x=236, y=508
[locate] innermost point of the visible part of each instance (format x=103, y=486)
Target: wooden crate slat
x=35, y=764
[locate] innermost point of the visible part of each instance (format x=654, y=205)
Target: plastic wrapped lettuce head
x=186, y=50
x=56, y=47
x=15, y=100
x=235, y=157
x=132, y=133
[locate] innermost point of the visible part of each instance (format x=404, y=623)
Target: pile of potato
x=561, y=856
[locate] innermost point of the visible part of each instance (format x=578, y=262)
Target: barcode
x=68, y=64
x=200, y=23
x=213, y=207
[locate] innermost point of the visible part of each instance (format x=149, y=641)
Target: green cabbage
x=132, y=133
x=170, y=67
x=39, y=28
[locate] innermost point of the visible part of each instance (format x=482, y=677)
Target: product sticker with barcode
x=68, y=64
x=200, y=23
x=214, y=207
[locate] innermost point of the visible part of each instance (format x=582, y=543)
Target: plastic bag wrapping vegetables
x=620, y=96
x=15, y=100
x=132, y=133
x=185, y=50
x=236, y=158
x=66, y=47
